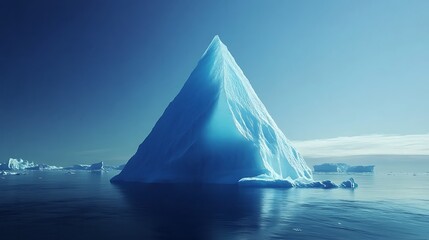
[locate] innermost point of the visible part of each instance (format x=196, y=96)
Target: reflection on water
x=210, y=211
x=177, y=209
x=58, y=205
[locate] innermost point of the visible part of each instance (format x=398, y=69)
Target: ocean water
x=85, y=205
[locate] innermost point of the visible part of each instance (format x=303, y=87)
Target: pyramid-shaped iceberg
x=216, y=130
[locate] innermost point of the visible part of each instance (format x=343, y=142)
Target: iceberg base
x=270, y=182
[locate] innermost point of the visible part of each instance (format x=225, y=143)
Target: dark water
x=57, y=205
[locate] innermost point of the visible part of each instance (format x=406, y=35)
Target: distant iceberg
x=22, y=165
x=93, y=167
x=331, y=167
x=216, y=130
x=110, y=167
x=342, y=168
x=361, y=169
x=43, y=167
x=19, y=164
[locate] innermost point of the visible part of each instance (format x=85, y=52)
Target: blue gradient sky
x=84, y=81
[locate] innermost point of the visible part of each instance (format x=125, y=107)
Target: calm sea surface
x=85, y=205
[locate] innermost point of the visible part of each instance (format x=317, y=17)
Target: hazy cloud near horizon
x=417, y=144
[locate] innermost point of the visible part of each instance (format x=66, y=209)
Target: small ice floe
x=297, y=229
x=267, y=181
x=327, y=184
x=10, y=173
x=349, y=184
x=264, y=180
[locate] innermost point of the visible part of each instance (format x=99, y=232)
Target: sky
x=85, y=81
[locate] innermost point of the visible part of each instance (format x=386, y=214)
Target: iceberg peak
x=216, y=50
x=215, y=43
x=216, y=40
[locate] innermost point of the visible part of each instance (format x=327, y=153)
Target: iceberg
x=349, y=184
x=109, y=167
x=326, y=184
x=361, y=169
x=96, y=166
x=216, y=130
x=342, y=168
x=265, y=181
x=93, y=167
x=331, y=167
x=43, y=167
x=37, y=167
x=19, y=164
